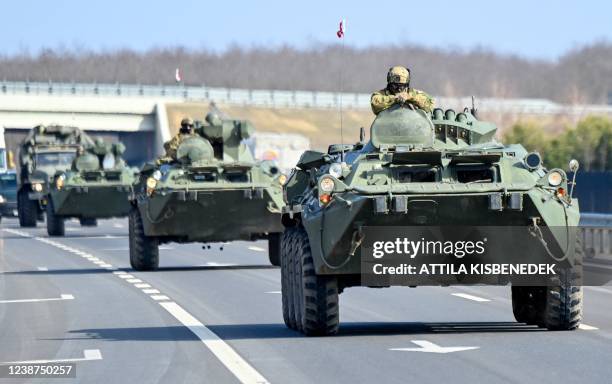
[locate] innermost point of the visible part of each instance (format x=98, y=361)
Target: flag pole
x=340, y=34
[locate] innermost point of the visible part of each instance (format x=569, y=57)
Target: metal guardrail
x=596, y=232
x=284, y=99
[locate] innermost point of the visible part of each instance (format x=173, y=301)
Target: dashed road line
x=238, y=366
x=470, y=297
x=274, y=292
x=88, y=354
x=586, y=327
x=43, y=269
x=61, y=298
x=226, y=354
x=256, y=249
x=132, y=281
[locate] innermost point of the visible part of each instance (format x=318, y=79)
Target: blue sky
x=535, y=29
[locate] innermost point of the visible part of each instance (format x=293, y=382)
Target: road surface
x=214, y=316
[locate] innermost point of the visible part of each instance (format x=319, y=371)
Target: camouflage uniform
x=171, y=146
x=398, y=91
x=185, y=132
x=383, y=99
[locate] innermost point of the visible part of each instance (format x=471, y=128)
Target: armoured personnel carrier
x=97, y=185
x=213, y=191
x=420, y=169
x=43, y=152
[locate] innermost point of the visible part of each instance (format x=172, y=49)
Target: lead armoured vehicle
x=213, y=191
x=97, y=185
x=438, y=169
x=43, y=152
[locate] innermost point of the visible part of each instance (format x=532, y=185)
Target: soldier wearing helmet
x=185, y=131
x=398, y=91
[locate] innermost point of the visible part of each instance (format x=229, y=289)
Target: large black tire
x=55, y=223
x=27, y=210
x=286, y=261
x=317, y=307
x=274, y=248
x=563, y=310
x=556, y=307
x=144, y=250
x=88, y=222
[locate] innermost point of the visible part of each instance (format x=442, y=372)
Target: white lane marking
x=470, y=297
x=99, y=262
x=126, y=276
x=120, y=273
x=150, y=291
x=160, y=297
x=88, y=354
x=107, y=266
x=276, y=292
x=134, y=281
x=586, y=327
x=117, y=225
x=62, y=297
x=256, y=249
x=43, y=269
x=213, y=264
x=429, y=347
x=228, y=356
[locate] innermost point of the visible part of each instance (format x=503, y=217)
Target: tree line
x=581, y=75
x=589, y=141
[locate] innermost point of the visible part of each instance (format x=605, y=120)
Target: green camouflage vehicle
x=97, y=185
x=214, y=191
x=43, y=152
x=417, y=169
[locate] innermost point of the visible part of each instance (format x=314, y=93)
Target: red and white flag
x=177, y=75
x=341, y=29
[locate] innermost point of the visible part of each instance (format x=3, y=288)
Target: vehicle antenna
x=340, y=34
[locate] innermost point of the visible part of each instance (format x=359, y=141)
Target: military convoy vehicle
x=97, y=185
x=43, y=152
x=213, y=191
x=443, y=168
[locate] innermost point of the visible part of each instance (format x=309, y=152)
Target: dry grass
x=322, y=126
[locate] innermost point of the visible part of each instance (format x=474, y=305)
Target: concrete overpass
x=141, y=123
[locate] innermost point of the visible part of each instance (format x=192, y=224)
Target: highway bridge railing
x=284, y=98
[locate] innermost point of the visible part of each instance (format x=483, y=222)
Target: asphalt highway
x=214, y=316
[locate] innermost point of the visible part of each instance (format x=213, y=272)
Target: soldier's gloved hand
x=402, y=97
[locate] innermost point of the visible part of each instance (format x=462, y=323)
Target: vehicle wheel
x=55, y=223
x=563, y=310
x=318, y=304
x=556, y=307
x=274, y=248
x=27, y=210
x=144, y=250
x=286, y=262
x=88, y=222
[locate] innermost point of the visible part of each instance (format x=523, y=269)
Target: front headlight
x=151, y=184
x=109, y=161
x=59, y=182
x=326, y=184
x=282, y=179
x=1, y=199
x=37, y=187
x=555, y=178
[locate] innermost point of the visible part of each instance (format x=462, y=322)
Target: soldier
x=171, y=146
x=398, y=91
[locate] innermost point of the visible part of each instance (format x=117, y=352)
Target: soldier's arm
x=380, y=101
x=421, y=100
